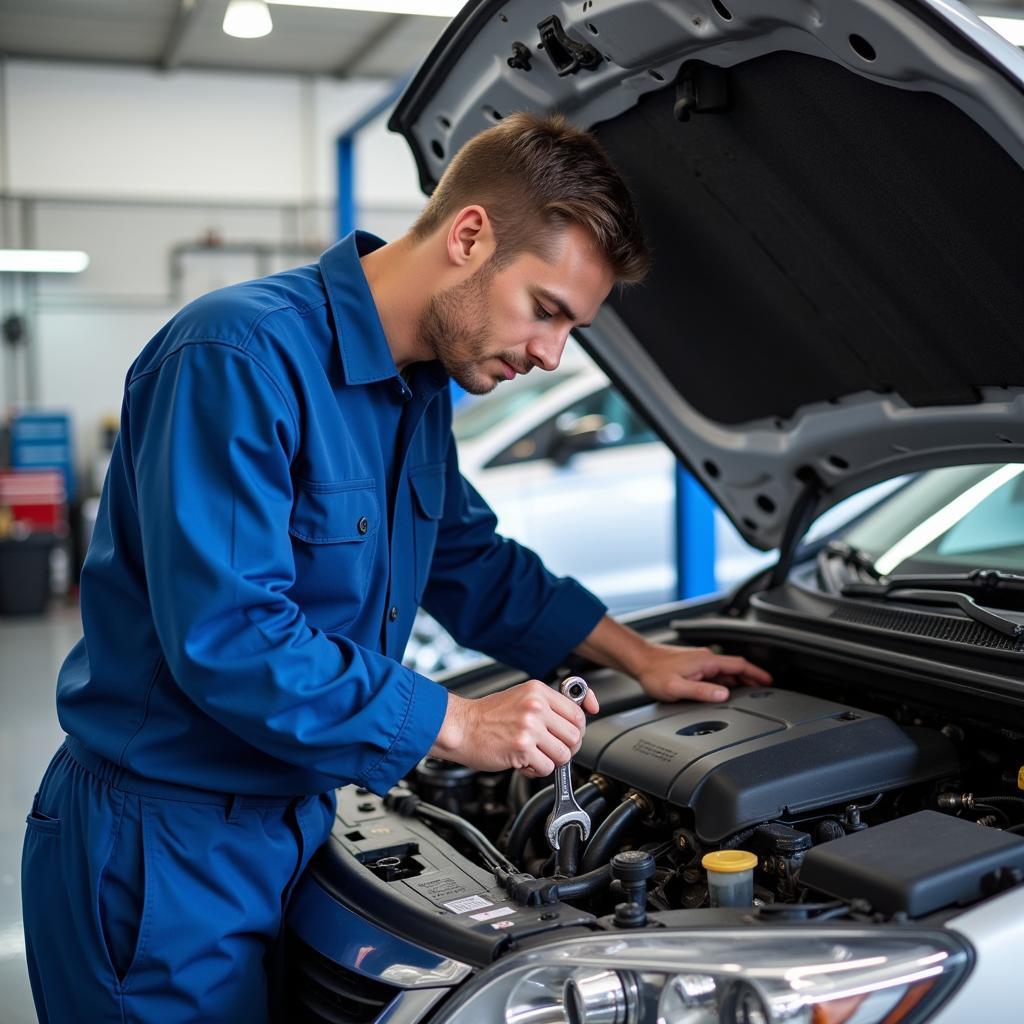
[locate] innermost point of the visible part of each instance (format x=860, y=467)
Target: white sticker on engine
x=487, y=915
x=468, y=903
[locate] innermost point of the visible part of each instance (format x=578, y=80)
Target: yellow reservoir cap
x=727, y=861
x=1020, y=777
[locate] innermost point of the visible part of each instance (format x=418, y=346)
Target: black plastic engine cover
x=763, y=754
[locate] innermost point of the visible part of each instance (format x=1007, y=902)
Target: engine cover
x=763, y=754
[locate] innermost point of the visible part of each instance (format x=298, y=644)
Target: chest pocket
x=333, y=527
x=427, y=485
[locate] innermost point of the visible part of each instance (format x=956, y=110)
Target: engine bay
x=863, y=812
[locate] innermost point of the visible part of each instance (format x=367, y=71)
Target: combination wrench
x=566, y=810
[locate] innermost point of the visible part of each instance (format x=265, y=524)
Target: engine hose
x=529, y=818
x=584, y=885
x=408, y=804
x=740, y=837
x=518, y=791
x=567, y=860
x=597, y=808
x=606, y=840
x=999, y=800
x=535, y=811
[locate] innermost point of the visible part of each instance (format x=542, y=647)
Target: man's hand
x=530, y=727
x=669, y=673
x=694, y=673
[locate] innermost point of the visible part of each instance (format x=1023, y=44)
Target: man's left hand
x=694, y=673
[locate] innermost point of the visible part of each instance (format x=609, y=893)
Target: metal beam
x=184, y=19
x=373, y=41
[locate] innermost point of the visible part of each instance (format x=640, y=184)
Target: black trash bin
x=25, y=574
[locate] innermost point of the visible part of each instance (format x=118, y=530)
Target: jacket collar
x=362, y=344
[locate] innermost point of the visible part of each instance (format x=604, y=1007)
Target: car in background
x=546, y=448
x=836, y=301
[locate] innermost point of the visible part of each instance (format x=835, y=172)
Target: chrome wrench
x=566, y=810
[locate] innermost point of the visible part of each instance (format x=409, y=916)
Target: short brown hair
x=533, y=173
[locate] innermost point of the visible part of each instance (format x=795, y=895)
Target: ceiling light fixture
x=43, y=261
x=431, y=8
x=1011, y=29
x=247, y=19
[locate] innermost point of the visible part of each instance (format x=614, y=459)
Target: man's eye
x=543, y=314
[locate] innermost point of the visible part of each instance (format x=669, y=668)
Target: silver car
x=831, y=190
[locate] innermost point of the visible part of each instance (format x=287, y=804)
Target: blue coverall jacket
x=278, y=504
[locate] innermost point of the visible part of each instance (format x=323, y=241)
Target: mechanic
x=283, y=494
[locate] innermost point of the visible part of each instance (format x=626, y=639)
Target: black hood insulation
x=819, y=236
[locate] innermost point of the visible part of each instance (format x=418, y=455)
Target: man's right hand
x=530, y=727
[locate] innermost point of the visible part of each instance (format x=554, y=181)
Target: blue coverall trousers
x=149, y=902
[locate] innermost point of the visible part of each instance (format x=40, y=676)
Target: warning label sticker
x=487, y=915
x=468, y=903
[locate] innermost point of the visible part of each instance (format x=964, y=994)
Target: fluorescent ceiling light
x=431, y=8
x=42, y=261
x=247, y=19
x=1009, y=28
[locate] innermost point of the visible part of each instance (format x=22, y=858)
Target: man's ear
x=470, y=240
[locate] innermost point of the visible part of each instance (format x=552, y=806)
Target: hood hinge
x=800, y=519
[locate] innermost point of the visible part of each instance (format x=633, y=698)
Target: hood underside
x=832, y=195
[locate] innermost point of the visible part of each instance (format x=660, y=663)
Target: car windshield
x=475, y=417
x=954, y=519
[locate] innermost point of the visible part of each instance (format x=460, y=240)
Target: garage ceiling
x=170, y=34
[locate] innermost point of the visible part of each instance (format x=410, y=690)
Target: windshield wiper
x=938, y=589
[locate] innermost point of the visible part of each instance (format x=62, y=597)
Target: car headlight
x=770, y=976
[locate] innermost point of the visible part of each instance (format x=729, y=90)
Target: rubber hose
x=598, y=811
x=585, y=885
x=609, y=835
x=518, y=791
x=534, y=811
x=998, y=800
x=491, y=855
x=596, y=806
x=567, y=860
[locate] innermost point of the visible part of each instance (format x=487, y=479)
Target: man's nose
x=547, y=352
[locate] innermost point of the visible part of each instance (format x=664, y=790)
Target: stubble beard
x=456, y=326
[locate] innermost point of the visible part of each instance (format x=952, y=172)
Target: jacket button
x=363, y=525
x=393, y=614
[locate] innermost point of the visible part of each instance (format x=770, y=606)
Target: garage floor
x=31, y=651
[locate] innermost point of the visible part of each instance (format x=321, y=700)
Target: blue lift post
x=346, y=156
x=346, y=166
x=695, y=537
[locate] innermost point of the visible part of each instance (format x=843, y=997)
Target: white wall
x=128, y=163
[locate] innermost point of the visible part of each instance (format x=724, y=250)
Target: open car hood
x=833, y=194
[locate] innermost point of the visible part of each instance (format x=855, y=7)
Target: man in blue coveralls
x=284, y=493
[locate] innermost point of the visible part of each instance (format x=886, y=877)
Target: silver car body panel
x=996, y=931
